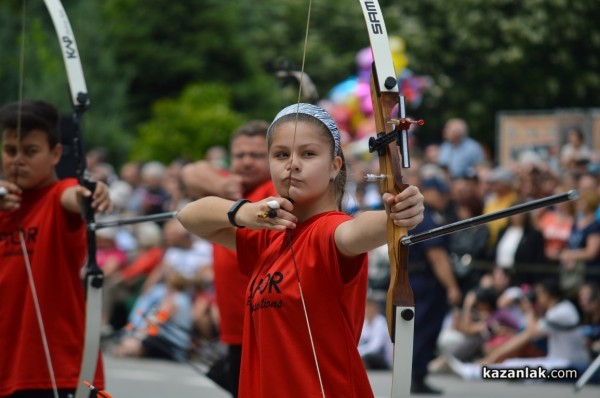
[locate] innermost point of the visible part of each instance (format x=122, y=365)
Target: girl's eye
x=281, y=155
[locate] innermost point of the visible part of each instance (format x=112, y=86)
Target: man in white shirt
x=560, y=325
x=375, y=346
x=184, y=254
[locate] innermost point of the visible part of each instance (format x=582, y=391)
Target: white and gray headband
x=318, y=113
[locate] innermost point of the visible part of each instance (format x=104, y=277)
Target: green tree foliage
x=335, y=33
x=484, y=56
x=170, y=44
x=43, y=72
x=187, y=126
x=491, y=55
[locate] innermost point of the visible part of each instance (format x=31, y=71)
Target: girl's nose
x=294, y=164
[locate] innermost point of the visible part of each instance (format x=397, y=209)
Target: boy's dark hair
x=31, y=115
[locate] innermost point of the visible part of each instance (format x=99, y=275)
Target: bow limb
x=389, y=145
x=93, y=277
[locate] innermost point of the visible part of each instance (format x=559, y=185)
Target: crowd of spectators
x=501, y=266
x=156, y=268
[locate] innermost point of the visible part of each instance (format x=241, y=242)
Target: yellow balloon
x=398, y=47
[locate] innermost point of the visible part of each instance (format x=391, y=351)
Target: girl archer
x=307, y=262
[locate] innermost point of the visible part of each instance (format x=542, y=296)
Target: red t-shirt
x=56, y=243
x=556, y=231
x=144, y=263
x=277, y=358
x=230, y=284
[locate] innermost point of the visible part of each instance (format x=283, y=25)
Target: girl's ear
x=336, y=165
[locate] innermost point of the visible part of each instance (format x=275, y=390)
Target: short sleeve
x=562, y=316
x=344, y=268
x=542, y=326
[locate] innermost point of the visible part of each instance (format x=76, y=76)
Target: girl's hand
x=406, y=208
x=270, y=213
x=10, y=196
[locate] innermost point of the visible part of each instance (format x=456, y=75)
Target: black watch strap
x=233, y=211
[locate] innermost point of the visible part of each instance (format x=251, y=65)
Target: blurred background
x=196, y=69
x=169, y=81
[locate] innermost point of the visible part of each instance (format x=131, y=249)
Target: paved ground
x=129, y=378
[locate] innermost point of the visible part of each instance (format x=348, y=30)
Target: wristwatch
x=233, y=211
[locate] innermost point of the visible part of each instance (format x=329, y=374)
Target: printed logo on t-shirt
x=267, y=285
x=12, y=241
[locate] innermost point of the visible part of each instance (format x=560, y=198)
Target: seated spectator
x=375, y=346
x=174, y=188
x=528, y=182
x=550, y=184
x=379, y=270
x=149, y=255
x=583, y=252
x=183, y=255
x=496, y=324
x=153, y=195
x=509, y=294
x=588, y=182
x=165, y=331
x=484, y=324
x=217, y=156
x=459, y=152
x=589, y=304
x=131, y=174
x=465, y=187
x=120, y=194
x=125, y=285
x=502, y=195
x=437, y=193
x=110, y=258
x=559, y=324
x=205, y=314
x=556, y=224
x=480, y=323
x=468, y=244
x=574, y=149
x=518, y=246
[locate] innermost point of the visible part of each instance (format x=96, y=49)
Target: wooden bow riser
x=399, y=292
